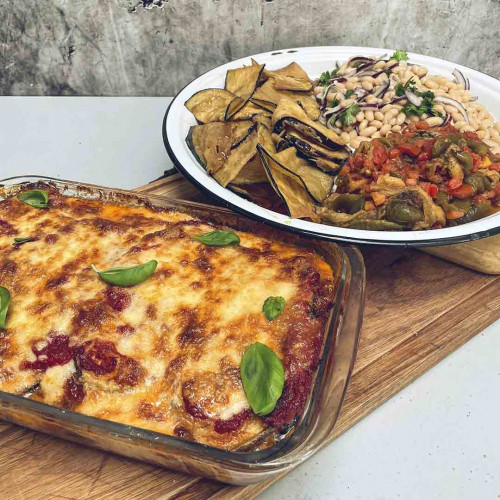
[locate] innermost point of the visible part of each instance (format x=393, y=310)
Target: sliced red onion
x=413, y=98
x=330, y=111
x=325, y=94
x=454, y=103
x=473, y=98
x=380, y=91
x=384, y=70
x=460, y=78
x=338, y=79
x=360, y=59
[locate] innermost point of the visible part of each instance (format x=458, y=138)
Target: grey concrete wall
x=155, y=47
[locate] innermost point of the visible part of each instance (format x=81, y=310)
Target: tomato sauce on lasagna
x=165, y=354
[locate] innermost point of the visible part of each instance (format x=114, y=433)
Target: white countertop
x=438, y=438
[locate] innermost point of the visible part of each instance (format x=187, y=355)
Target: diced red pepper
x=409, y=149
x=454, y=183
x=454, y=214
x=463, y=192
x=379, y=155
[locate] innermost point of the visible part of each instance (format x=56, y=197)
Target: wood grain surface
x=418, y=310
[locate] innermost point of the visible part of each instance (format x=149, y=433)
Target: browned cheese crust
x=165, y=354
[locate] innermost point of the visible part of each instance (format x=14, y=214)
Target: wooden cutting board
x=418, y=310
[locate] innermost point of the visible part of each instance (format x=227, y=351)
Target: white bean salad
x=365, y=98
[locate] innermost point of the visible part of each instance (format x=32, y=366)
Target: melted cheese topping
x=165, y=354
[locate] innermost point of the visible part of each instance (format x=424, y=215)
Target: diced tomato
x=379, y=155
x=454, y=183
x=409, y=149
x=476, y=161
x=369, y=206
x=454, y=214
x=421, y=125
x=463, y=192
x=368, y=163
x=378, y=198
x=497, y=189
x=472, y=135
x=394, y=153
x=495, y=166
x=411, y=182
x=344, y=170
x=424, y=156
x=412, y=174
x=478, y=200
x=490, y=194
x=432, y=191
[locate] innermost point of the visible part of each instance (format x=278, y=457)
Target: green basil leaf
x=127, y=276
x=263, y=378
x=273, y=307
x=4, y=306
x=219, y=238
x=37, y=198
x=20, y=241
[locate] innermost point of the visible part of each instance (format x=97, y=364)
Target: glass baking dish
x=235, y=467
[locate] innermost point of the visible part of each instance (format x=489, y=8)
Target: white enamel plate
x=315, y=60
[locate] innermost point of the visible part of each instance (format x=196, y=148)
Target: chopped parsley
x=400, y=55
x=325, y=77
x=349, y=93
x=427, y=105
x=348, y=115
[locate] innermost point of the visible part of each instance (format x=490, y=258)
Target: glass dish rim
x=265, y=458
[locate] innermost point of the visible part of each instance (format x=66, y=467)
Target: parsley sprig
x=348, y=115
x=400, y=55
x=325, y=77
x=427, y=105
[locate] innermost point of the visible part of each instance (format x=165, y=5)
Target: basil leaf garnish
x=127, y=276
x=4, y=306
x=273, y=307
x=219, y=238
x=263, y=378
x=20, y=241
x=37, y=198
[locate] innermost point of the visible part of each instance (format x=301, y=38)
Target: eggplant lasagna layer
x=165, y=354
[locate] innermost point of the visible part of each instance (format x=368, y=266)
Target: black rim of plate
x=313, y=234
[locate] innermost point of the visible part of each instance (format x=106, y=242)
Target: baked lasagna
x=164, y=354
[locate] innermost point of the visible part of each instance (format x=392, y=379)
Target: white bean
x=385, y=129
x=434, y=121
x=355, y=142
x=396, y=128
x=400, y=118
x=376, y=135
x=369, y=115
x=368, y=131
x=376, y=123
x=353, y=134
x=459, y=124
x=431, y=84
x=378, y=115
x=497, y=126
x=420, y=71
x=363, y=125
x=360, y=116
x=345, y=136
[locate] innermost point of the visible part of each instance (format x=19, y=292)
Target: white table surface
x=438, y=438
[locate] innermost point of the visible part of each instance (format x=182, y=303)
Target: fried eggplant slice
x=313, y=150
x=289, y=187
x=289, y=114
x=261, y=194
x=212, y=143
x=291, y=77
x=328, y=166
x=252, y=173
x=209, y=105
x=267, y=105
x=243, y=81
x=236, y=160
x=318, y=184
x=238, y=109
x=267, y=92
